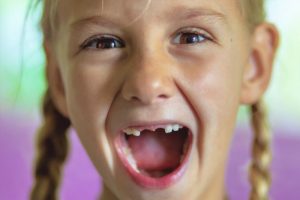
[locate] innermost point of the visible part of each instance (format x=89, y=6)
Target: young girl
x=152, y=89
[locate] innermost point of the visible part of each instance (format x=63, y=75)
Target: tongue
x=157, y=150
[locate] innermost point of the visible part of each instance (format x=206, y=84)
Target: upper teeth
x=132, y=131
x=168, y=129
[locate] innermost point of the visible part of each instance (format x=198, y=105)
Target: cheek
x=90, y=91
x=215, y=80
x=213, y=88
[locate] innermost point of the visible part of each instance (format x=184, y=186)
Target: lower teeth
x=130, y=159
x=181, y=158
x=185, y=147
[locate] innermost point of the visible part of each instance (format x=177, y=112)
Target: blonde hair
x=259, y=174
x=52, y=150
x=52, y=142
x=253, y=11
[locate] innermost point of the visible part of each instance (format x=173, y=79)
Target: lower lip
x=149, y=182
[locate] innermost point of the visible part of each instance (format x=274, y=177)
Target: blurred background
x=22, y=84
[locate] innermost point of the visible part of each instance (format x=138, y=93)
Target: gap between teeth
x=168, y=129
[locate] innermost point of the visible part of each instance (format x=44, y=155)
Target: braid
x=52, y=146
x=259, y=175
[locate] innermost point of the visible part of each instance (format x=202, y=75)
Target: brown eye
x=102, y=42
x=189, y=38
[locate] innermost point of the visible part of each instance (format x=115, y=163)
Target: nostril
x=148, y=99
x=134, y=98
x=163, y=96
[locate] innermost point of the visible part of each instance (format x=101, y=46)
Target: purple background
x=81, y=180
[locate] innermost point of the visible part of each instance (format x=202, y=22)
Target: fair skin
x=154, y=77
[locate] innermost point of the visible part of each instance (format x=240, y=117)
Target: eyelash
x=95, y=41
x=105, y=42
x=197, y=37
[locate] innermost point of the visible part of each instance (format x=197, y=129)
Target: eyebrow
x=174, y=14
x=96, y=19
x=182, y=12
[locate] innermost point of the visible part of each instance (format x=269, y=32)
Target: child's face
x=129, y=64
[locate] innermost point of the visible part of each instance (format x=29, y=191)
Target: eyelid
x=99, y=36
x=194, y=30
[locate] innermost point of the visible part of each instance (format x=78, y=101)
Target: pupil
x=107, y=43
x=192, y=39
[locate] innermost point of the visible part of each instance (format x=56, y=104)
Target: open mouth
x=155, y=156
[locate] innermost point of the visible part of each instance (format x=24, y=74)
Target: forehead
x=130, y=11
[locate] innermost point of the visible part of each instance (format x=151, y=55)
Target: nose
x=148, y=81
